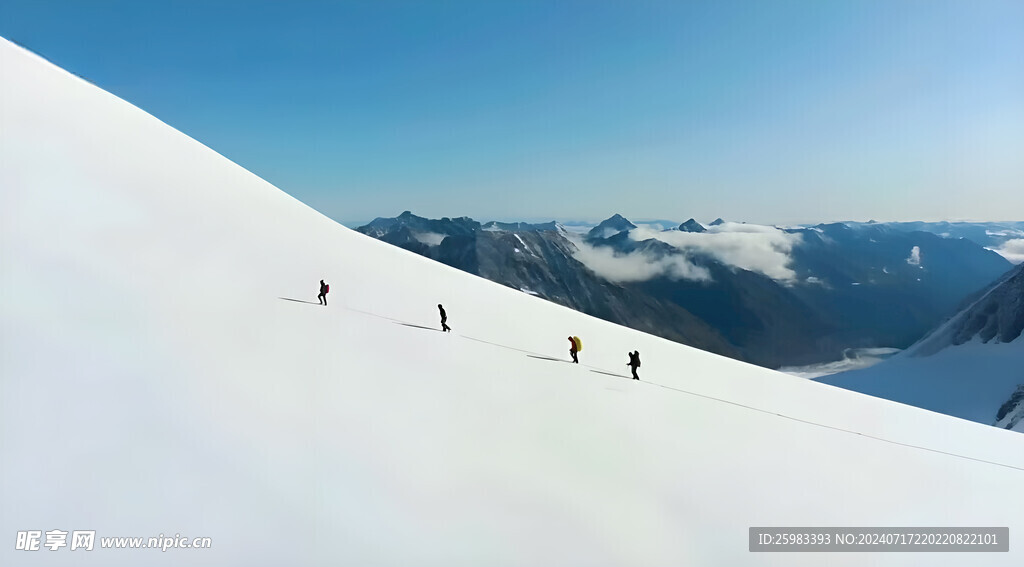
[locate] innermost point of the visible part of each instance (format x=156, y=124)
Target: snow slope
x=969, y=381
x=967, y=367
x=154, y=381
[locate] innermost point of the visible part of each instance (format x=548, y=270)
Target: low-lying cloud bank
x=762, y=249
x=429, y=238
x=758, y=248
x=637, y=267
x=853, y=359
x=1012, y=250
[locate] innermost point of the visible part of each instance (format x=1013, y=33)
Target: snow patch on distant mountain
x=525, y=246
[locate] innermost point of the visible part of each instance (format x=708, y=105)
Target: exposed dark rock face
x=1012, y=411
x=692, y=226
x=995, y=315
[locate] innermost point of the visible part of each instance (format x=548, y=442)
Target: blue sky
x=767, y=111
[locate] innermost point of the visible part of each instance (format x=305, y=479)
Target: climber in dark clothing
x=634, y=363
x=444, y=320
x=324, y=288
x=573, y=349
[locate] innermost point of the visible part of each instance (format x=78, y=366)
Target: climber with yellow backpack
x=575, y=345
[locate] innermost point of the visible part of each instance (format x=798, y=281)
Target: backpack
x=327, y=288
x=579, y=344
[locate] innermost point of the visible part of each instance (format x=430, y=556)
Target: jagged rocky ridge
x=540, y=260
x=853, y=287
x=996, y=316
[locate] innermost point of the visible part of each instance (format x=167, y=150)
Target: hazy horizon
x=647, y=219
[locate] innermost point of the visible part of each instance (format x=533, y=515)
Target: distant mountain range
x=987, y=234
x=539, y=259
x=768, y=295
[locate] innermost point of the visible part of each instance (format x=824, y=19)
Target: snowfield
x=970, y=381
x=968, y=367
x=160, y=374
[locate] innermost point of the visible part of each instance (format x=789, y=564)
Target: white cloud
x=853, y=359
x=1008, y=232
x=608, y=232
x=636, y=267
x=758, y=248
x=915, y=256
x=1012, y=250
x=429, y=238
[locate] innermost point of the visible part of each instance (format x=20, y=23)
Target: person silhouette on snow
x=324, y=288
x=573, y=349
x=634, y=363
x=444, y=320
